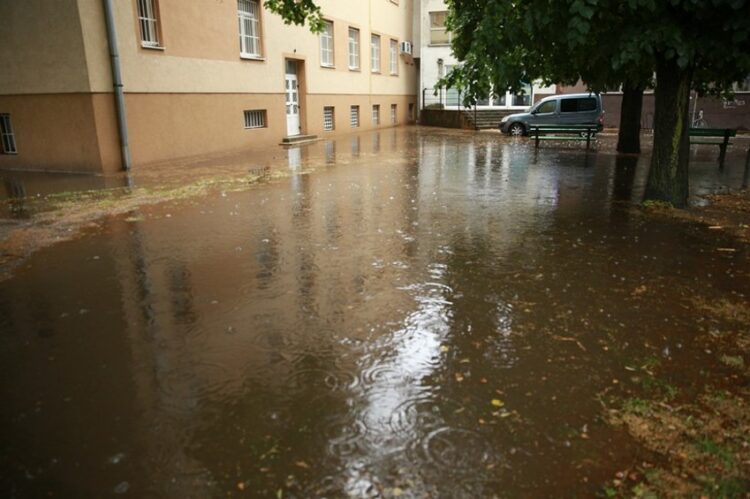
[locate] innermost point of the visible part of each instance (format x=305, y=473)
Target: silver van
x=565, y=109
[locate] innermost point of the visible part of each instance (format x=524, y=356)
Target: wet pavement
x=412, y=312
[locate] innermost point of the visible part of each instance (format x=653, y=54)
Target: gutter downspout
x=117, y=84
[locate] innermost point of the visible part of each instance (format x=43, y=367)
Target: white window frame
x=148, y=22
x=439, y=29
x=248, y=17
x=326, y=45
x=376, y=114
x=394, y=114
x=255, y=118
x=394, y=56
x=329, y=118
x=354, y=116
x=7, y=136
x=375, y=53
x=353, y=48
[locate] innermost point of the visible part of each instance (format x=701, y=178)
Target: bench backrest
x=713, y=132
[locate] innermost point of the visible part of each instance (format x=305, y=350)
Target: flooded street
x=411, y=312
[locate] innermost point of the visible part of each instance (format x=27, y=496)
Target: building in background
x=198, y=78
x=432, y=50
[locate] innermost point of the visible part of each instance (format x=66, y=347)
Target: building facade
x=432, y=48
x=199, y=77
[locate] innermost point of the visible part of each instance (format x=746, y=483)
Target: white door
x=292, y=105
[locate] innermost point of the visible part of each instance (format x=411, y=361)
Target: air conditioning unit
x=406, y=48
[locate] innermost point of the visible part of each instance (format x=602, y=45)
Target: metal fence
x=442, y=98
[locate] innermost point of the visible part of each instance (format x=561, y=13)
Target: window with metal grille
x=353, y=48
x=248, y=13
x=326, y=45
x=328, y=121
x=375, y=53
x=148, y=23
x=376, y=114
x=411, y=112
x=394, y=57
x=255, y=118
x=354, y=116
x=7, y=135
x=393, y=114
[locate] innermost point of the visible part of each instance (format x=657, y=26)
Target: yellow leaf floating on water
x=444, y=348
x=498, y=402
x=459, y=377
x=397, y=492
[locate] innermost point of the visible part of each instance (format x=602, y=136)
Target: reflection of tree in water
x=625, y=168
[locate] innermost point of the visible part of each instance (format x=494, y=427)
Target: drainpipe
x=117, y=84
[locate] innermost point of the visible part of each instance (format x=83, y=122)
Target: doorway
x=291, y=89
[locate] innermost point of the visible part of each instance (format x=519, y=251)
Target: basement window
x=354, y=116
x=255, y=118
x=376, y=114
x=7, y=135
x=328, y=121
x=394, y=114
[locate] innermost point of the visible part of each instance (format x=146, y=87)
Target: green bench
x=563, y=132
x=710, y=135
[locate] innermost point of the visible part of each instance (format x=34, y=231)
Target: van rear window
x=578, y=105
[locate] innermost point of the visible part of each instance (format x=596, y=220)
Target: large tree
x=504, y=43
x=555, y=42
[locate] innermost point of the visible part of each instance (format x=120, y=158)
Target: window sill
x=375, y=72
x=328, y=66
x=152, y=47
x=439, y=44
x=248, y=57
x=394, y=74
x=356, y=70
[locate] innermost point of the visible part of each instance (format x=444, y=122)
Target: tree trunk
x=629, y=135
x=668, y=176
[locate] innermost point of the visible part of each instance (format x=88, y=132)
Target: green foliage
x=604, y=42
x=298, y=12
x=637, y=406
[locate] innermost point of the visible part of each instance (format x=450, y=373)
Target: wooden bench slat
x=560, y=137
x=712, y=142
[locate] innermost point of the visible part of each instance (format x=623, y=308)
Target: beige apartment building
x=198, y=77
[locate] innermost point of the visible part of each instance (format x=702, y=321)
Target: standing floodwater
x=427, y=314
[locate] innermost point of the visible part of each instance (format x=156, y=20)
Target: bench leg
x=722, y=154
x=588, y=140
x=746, y=176
x=537, y=140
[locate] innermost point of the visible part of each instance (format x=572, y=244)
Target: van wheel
x=517, y=129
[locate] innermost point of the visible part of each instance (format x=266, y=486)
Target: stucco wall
x=201, y=49
x=171, y=126
x=61, y=133
x=41, y=48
